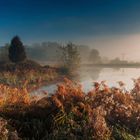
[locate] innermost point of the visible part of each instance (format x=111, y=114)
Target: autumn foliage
x=104, y=113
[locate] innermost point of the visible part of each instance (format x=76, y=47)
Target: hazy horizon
x=112, y=27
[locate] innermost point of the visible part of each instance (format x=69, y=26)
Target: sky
x=112, y=26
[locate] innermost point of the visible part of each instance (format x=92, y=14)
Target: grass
x=29, y=75
x=104, y=113
x=29, y=79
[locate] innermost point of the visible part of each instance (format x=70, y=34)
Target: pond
x=88, y=75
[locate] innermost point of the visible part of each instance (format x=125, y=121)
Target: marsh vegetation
x=101, y=113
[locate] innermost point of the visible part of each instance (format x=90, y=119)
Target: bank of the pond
x=29, y=75
x=55, y=81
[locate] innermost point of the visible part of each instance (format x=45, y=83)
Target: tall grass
x=104, y=113
x=27, y=78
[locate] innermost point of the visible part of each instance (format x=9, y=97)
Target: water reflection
x=110, y=75
x=85, y=73
x=88, y=75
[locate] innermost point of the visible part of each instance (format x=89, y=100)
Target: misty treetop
x=94, y=56
x=48, y=52
x=70, y=56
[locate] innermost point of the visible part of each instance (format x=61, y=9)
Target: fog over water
x=89, y=75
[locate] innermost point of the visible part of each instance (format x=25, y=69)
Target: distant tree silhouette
x=70, y=56
x=94, y=56
x=16, y=50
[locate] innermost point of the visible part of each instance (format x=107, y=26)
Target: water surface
x=88, y=75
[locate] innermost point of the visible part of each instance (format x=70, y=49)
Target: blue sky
x=68, y=20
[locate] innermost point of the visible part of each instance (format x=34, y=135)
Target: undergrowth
x=104, y=113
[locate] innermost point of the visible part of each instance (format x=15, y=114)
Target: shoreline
x=45, y=83
x=112, y=65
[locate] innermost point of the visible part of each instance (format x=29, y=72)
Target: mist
x=116, y=46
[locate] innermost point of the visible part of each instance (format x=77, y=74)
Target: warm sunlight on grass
x=102, y=114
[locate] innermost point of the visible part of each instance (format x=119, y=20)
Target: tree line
x=69, y=54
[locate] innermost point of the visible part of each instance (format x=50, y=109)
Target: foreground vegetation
x=102, y=114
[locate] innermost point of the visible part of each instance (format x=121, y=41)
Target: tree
x=70, y=56
x=16, y=50
x=94, y=56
